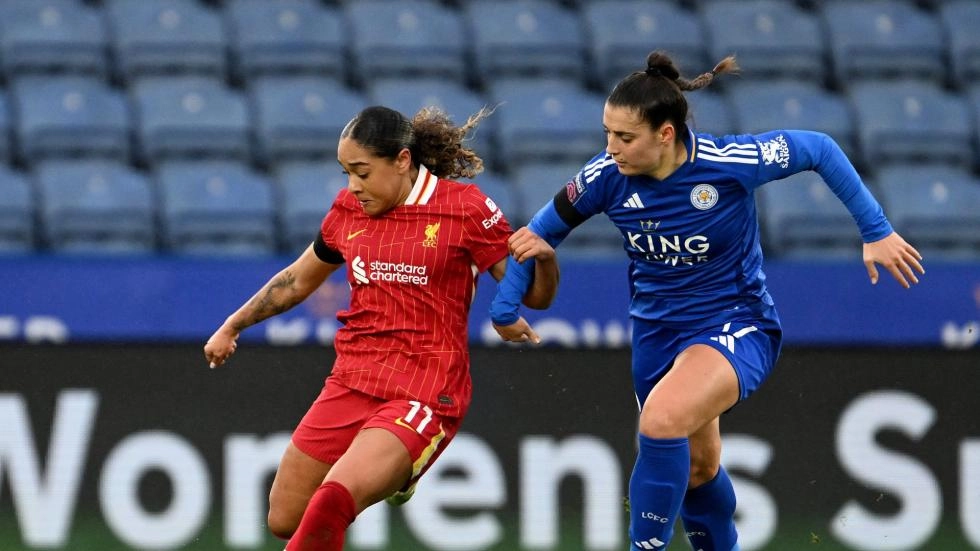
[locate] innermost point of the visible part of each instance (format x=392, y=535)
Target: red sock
x=330, y=512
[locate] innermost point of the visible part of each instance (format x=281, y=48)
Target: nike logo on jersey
x=354, y=234
x=634, y=202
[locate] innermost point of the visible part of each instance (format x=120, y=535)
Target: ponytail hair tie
x=654, y=72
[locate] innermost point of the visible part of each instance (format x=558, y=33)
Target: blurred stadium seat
x=6, y=127
x=935, y=207
x=501, y=191
x=300, y=116
x=623, y=32
x=216, y=208
x=772, y=38
x=912, y=120
x=710, y=112
x=17, y=210
x=52, y=35
x=961, y=20
x=459, y=102
x=69, y=115
x=884, y=39
x=190, y=116
x=409, y=38
x=166, y=36
x=307, y=191
x=546, y=120
x=525, y=38
x=760, y=106
x=95, y=206
x=802, y=218
x=285, y=37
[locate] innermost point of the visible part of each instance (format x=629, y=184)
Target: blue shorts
x=751, y=345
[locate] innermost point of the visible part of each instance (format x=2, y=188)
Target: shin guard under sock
x=708, y=512
x=657, y=488
x=325, y=522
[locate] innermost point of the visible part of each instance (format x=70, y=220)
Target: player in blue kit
x=705, y=331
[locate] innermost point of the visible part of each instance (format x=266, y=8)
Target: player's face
x=637, y=148
x=379, y=184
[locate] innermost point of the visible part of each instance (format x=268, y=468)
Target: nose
x=353, y=185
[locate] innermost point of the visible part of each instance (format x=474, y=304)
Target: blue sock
x=657, y=487
x=708, y=512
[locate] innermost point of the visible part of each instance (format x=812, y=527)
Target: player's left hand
x=896, y=256
x=525, y=244
x=519, y=331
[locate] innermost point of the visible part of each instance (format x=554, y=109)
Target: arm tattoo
x=275, y=298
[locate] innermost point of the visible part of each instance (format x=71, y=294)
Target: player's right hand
x=519, y=331
x=220, y=347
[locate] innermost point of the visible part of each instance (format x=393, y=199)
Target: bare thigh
x=376, y=465
x=298, y=476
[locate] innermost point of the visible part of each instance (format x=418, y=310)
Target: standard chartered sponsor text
x=399, y=272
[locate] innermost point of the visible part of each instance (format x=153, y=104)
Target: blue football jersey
x=693, y=238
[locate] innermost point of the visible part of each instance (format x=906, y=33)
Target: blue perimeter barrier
x=169, y=299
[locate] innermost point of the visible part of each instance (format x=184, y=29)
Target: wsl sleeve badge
x=574, y=188
x=704, y=196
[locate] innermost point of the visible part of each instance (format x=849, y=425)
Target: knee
x=704, y=465
x=282, y=525
x=656, y=423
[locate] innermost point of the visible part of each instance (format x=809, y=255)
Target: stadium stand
x=760, y=105
x=190, y=116
x=546, y=120
x=65, y=115
x=306, y=189
x=95, y=207
x=265, y=88
x=216, y=208
x=166, y=36
x=300, y=116
x=772, y=38
x=409, y=38
x=884, y=39
x=52, y=36
x=17, y=206
x=912, y=120
x=624, y=31
x=525, y=38
x=934, y=206
x=961, y=19
x=285, y=38
x=801, y=217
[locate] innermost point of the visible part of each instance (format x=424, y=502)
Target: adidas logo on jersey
x=634, y=202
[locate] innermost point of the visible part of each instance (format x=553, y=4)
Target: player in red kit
x=413, y=244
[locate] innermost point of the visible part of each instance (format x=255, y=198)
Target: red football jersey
x=412, y=273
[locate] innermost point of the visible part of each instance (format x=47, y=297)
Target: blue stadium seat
x=961, y=19
x=6, y=128
x=934, y=207
x=884, y=39
x=286, y=37
x=912, y=120
x=760, y=106
x=216, y=208
x=502, y=192
x=190, y=116
x=70, y=115
x=772, y=38
x=802, y=218
x=624, y=31
x=710, y=112
x=300, y=117
x=525, y=38
x=409, y=95
x=95, y=206
x=52, y=35
x=307, y=190
x=407, y=38
x=166, y=36
x=546, y=119
x=17, y=211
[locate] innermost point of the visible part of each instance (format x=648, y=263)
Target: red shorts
x=339, y=413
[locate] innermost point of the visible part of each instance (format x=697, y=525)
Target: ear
x=667, y=133
x=404, y=160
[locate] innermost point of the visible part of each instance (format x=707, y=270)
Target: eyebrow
x=355, y=163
